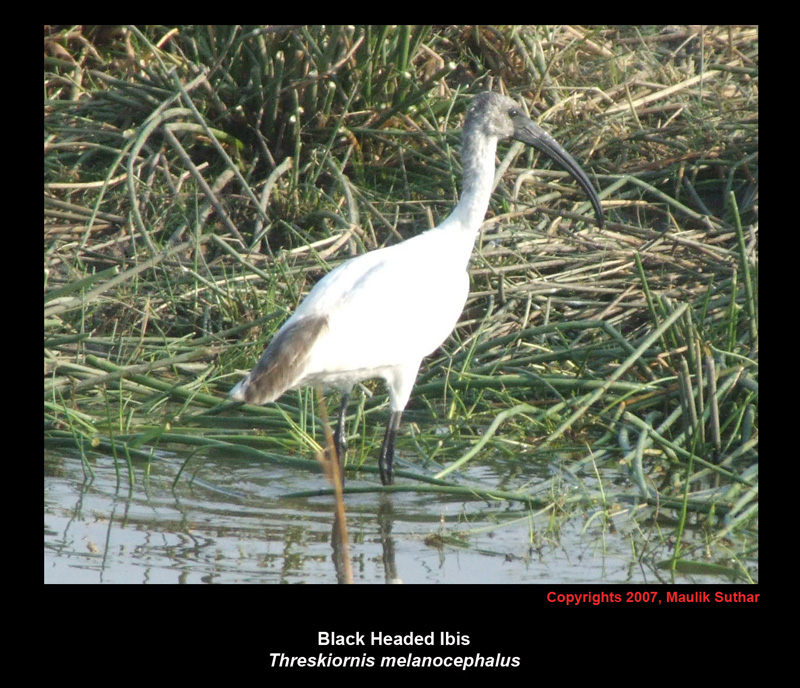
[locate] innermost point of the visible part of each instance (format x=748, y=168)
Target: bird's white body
x=386, y=310
x=379, y=314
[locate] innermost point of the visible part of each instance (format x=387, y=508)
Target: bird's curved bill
x=531, y=133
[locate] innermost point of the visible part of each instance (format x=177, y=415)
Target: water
x=228, y=520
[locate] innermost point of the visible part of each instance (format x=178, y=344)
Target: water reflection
x=229, y=521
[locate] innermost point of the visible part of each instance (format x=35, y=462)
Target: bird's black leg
x=386, y=461
x=340, y=434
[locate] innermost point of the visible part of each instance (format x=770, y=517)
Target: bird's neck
x=478, y=162
x=461, y=227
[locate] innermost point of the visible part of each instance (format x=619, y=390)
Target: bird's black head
x=499, y=116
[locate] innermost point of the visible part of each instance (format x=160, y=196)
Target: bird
x=378, y=314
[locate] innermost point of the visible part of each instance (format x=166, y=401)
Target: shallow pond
x=229, y=520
